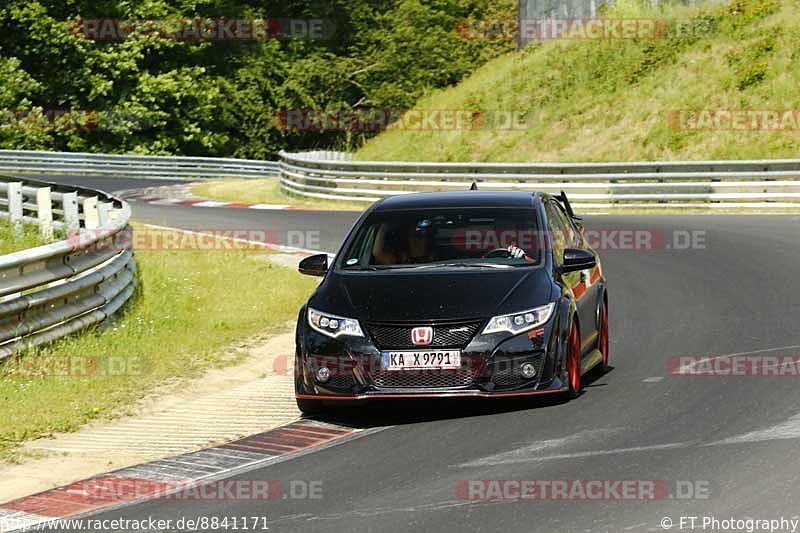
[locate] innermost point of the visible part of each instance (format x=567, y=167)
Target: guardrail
x=754, y=184
x=53, y=290
x=151, y=167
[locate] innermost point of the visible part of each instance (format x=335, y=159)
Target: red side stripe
x=579, y=289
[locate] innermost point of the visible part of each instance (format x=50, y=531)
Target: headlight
x=522, y=321
x=332, y=325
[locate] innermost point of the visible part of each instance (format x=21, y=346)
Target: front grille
x=471, y=368
x=341, y=382
x=506, y=373
x=422, y=379
x=448, y=335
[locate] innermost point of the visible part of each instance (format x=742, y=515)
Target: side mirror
x=577, y=259
x=316, y=265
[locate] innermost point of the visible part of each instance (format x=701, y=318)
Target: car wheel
x=574, y=362
x=309, y=407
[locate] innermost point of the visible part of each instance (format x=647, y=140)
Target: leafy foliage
x=218, y=98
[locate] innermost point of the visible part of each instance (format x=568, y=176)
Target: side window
x=571, y=234
x=577, y=238
x=557, y=229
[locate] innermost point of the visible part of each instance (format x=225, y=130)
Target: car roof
x=426, y=200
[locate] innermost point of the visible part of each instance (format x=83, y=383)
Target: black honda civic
x=454, y=294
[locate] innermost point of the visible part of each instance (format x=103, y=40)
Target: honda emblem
x=422, y=335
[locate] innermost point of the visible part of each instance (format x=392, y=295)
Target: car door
x=592, y=289
x=563, y=234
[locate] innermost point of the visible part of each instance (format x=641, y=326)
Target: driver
x=513, y=251
x=415, y=245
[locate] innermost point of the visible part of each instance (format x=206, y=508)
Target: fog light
x=323, y=374
x=527, y=370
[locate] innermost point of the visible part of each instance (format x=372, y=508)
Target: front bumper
x=556, y=387
x=492, y=370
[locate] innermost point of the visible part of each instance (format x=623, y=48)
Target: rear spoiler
x=567, y=206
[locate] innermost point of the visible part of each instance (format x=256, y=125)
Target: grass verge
x=27, y=236
x=266, y=191
x=191, y=307
x=620, y=100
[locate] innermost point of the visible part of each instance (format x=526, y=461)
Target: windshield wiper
x=373, y=268
x=461, y=265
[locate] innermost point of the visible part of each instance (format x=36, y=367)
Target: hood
x=395, y=296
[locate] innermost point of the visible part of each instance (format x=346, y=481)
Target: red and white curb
x=181, y=194
x=154, y=479
x=215, y=203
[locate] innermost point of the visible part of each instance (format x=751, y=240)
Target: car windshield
x=444, y=238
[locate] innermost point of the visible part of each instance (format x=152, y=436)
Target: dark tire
x=309, y=407
x=574, y=380
x=602, y=343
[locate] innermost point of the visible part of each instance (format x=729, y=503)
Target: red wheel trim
x=574, y=359
x=604, y=333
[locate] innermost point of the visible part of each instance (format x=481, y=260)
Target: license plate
x=432, y=359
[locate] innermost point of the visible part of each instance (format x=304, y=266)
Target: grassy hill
x=613, y=99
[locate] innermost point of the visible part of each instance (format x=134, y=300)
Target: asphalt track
x=737, y=436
